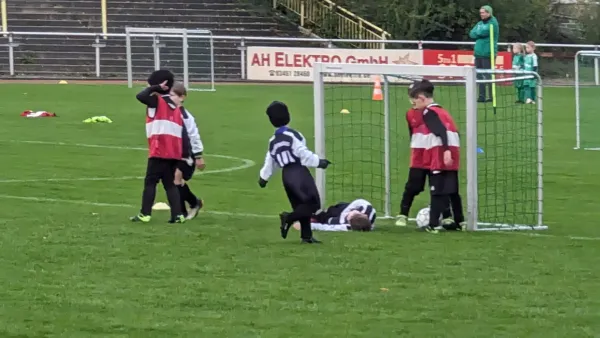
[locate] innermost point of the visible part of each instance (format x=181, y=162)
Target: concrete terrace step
x=178, y=5
x=181, y=22
x=149, y=14
x=234, y=31
x=233, y=15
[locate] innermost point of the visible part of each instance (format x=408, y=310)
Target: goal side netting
x=587, y=89
x=188, y=53
x=367, y=140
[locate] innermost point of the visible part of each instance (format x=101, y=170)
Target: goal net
x=587, y=80
x=368, y=142
x=188, y=53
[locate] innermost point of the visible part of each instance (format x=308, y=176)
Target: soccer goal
x=587, y=80
x=367, y=140
x=188, y=53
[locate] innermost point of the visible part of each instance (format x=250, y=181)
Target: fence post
x=98, y=45
x=242, y=49
x=596, y=74
x=302, y=12
x=11, y=54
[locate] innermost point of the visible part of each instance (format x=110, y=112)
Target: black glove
x=323, y=164
x=262, y=183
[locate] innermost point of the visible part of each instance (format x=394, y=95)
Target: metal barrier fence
x=88, y=55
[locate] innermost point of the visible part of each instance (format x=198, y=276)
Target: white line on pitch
x=535, y=234
x=246, y=163
x=118, y=205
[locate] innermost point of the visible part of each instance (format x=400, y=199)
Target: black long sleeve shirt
x=146, y=96
x=435, y=125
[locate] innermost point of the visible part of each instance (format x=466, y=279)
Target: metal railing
x=106, y=59
x=343, y=23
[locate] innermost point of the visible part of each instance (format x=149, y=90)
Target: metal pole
x=104, y=19
x=186, y=75
x=97, y=46
x=302, y=13
x=472, y=191
x=386, y=146
x=212, y=64
x=129, y=67
x=596, y=74
x=319, y=116
x=577, y=126
x=540, y=144
x=243, y=59
x=11, y=55
x=156, y=47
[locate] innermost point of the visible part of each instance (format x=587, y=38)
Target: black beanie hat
x=161, y=76
x=278, y=113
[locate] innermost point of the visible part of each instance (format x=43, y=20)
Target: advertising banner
x=463, y=58
x=284, y=64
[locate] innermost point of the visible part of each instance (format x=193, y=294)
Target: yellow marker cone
x=344, y=111
x=161, y=206
x=63, y=82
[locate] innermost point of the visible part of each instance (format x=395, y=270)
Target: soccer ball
x=423, y=218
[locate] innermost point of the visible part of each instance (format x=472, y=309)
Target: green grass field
x=72, y=265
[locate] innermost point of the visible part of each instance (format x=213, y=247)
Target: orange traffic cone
x=377, y=92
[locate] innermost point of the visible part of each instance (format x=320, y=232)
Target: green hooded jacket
x=481, y=34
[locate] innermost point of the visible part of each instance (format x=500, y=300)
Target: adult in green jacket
x=483, y=58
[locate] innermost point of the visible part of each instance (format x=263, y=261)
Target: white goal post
x=595, y=55
x=185, y=35
x=468, y=78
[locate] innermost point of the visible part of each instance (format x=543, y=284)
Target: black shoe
x=177, y=219
x=519, y=102
x=451, y=226
x=481, y=100
x=284, y=226
x=311, y=240
x=489, y=100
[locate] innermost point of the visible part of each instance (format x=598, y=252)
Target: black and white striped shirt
x=360, y=205
x=287, y=147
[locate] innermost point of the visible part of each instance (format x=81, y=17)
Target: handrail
x=419, y=43
x=346, y=24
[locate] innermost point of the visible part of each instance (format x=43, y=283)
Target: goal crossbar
x=468, y=76
x=184, y=34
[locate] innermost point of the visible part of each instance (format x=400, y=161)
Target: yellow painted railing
x=104, y=20
x=3, y=12
x=346, y=24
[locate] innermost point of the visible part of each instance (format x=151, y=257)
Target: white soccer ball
x=423, y=218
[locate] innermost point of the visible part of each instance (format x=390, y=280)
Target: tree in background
x=439, y=20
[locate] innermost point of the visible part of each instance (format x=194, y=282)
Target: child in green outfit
x=518, y=62
x=530, y=64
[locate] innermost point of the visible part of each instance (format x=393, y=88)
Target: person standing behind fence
x=482, y=33
x=530, y=64
x=518, y=62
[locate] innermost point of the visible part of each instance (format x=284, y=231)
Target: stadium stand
x=55, y=56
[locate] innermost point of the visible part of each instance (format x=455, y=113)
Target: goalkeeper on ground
x=418, y=172
x=359, y=215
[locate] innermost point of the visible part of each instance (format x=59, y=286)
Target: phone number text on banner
x=295, y=64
